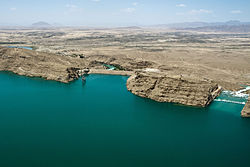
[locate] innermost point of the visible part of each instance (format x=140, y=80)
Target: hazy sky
x=121, y=13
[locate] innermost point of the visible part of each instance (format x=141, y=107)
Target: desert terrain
x=223, y=57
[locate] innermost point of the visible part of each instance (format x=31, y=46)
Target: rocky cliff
x=176, y=89
x=246, y=110
x=58, y=67
x=39, y=64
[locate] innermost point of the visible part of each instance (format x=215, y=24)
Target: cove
x=100, y=123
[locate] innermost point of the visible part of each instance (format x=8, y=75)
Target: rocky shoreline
x=38, y=64
x=246, y=110
x=176, y=89
x=146, y=80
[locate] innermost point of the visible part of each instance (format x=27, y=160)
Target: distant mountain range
x=244, y=28
x=203, y=24
x=229, y=26
x=41, y=24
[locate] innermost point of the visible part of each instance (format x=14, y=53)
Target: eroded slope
x=177, y=89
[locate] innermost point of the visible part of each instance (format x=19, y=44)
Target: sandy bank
x=111, y=72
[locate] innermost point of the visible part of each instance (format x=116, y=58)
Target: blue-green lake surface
x=22, y=47
x=50, y=124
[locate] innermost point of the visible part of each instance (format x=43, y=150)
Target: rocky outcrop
x=176, y=89
x=62, y=68
x=246, y=110
x=73, y=73
x=39, y=64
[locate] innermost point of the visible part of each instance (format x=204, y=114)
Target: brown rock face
x=176, y=89
x=73, y=73
x=39, y=64
x=246, y=110
x=58, y=67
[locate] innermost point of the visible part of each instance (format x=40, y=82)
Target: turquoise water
x=110, y=67
x=50, y=124
x=23, y=47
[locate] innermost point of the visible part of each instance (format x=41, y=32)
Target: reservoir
x=100, y=123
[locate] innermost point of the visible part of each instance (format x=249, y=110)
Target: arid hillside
x=223, y=57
